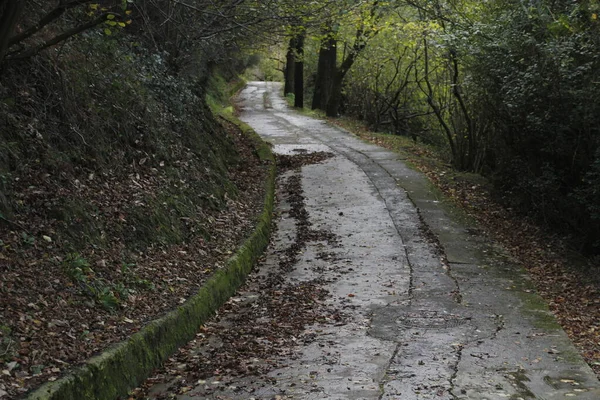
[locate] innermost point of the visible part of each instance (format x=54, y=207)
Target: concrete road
x=431, y=310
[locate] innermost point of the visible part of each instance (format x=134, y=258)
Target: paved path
x=420, y=323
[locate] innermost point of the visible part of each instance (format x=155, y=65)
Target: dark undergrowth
x=120, y=193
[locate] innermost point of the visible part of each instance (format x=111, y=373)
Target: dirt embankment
x=120, y=194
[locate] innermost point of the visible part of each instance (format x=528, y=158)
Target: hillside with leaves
x=121, y=190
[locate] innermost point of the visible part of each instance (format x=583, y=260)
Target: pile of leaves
x=567, y=281
x=58, y=307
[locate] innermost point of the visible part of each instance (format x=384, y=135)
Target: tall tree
x=326, y=68
x=290, y=67
x=299, y=70
x=366, y=30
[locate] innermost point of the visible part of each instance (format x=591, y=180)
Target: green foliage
x=587, y=195
x=264, y=66
x=107, y=295
x=77, y=268
x=8, y=344
x=290, y=99
x=217, y=92
x=27, y=239
x=506, y=90
x=536, y=71
x=132, y=279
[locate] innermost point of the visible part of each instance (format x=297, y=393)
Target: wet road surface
x=425, y=308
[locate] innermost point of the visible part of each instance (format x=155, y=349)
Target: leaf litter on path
x=260, y=328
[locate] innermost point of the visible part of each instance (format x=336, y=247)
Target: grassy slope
x=120, y=193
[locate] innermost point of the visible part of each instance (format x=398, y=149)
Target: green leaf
x=107, y=32
x=110, y=16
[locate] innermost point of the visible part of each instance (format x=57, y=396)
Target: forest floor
x=569, y=282
x=57, y=311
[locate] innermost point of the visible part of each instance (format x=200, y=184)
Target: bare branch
x=48, y=18
x=59, y=38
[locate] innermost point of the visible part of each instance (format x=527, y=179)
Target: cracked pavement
x=431, y=309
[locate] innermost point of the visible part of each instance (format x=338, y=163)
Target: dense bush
x=508, y=89
x=538, y=71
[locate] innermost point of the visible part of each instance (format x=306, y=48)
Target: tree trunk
x=299, y=72
x=360, y=42
x=335, y=97
x=437, y=110
x=290, y=63
x=469, y=154
x=9, y=13
x=325, y=71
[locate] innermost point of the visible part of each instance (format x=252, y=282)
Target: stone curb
x=127, y=364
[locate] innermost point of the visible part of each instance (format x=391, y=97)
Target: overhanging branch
x=59, y=38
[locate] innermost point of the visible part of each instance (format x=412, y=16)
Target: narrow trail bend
x=397, y=298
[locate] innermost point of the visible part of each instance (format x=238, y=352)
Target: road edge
x=127, y=364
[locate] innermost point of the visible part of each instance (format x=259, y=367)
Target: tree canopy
x=505, y=88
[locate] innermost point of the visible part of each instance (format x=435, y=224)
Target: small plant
x=107, y=295
x=107, y=299
x=131, y=278
x=77, y=268
x=27, y=239
x=145, y=284
x=290, y=98
x=79, y=271
x=8, y=346
x=126, y=268
x=121, y=291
